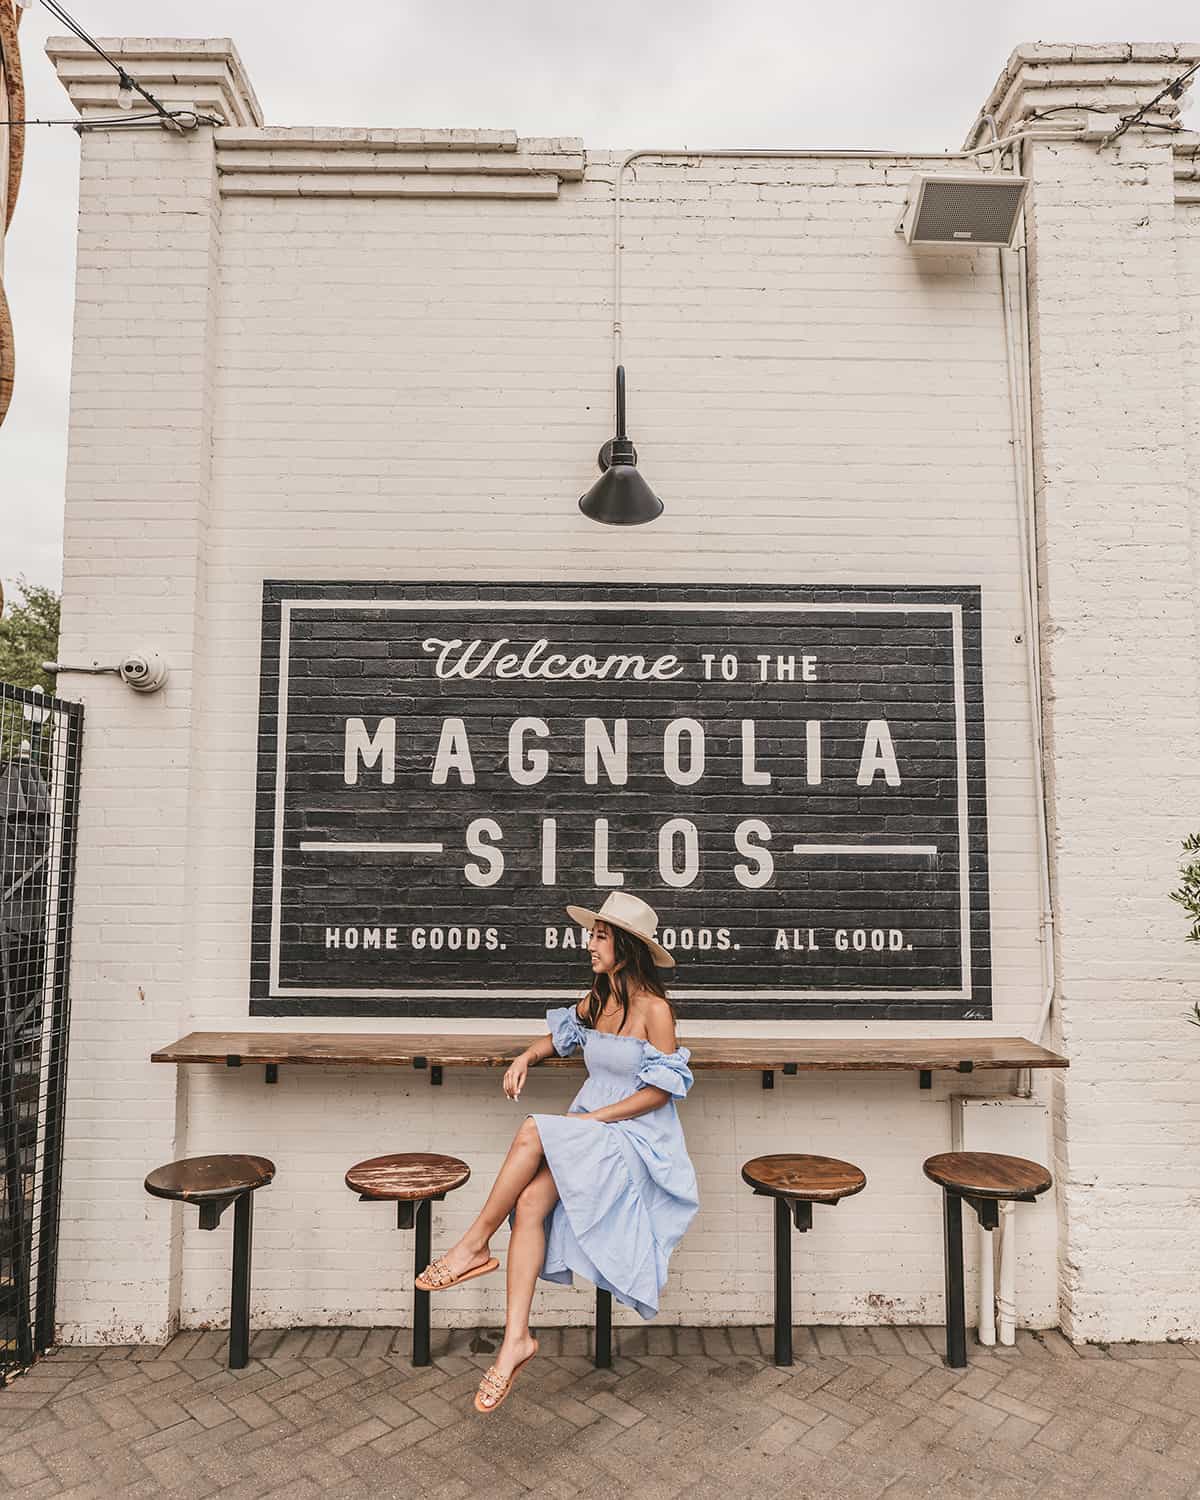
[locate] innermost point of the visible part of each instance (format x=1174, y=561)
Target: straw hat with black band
x=630, y=914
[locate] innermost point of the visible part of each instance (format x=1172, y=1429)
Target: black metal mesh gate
x=39, y=799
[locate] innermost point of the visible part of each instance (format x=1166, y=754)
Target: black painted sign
x=792, y=777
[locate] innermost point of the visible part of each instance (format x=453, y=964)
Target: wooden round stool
x=212, y=1183
x=985, y=1180
x=796, y=1183
x=413, y=1181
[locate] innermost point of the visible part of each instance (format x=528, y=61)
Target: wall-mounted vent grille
x=971, y=208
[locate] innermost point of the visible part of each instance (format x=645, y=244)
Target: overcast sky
x=621, y=73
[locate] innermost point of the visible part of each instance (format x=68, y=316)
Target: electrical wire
x=772, y=153
x=174, y=119
x=57, y=10
x=1060, y=109
x=86, y=124
x=126, y=81
x=73, y=26
x=180, y=119
x=1174, y=88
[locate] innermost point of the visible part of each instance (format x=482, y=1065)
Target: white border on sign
x=279, y=991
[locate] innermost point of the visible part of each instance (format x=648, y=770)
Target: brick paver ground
x=864, y=1412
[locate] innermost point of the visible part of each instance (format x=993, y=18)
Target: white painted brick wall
x=401, y=388
x=1110, y=255
x=135, y=558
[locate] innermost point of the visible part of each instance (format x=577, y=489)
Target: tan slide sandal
x=497, y=1386
x=437, y=1277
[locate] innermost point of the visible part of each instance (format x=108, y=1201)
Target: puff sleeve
x=666, y=1070
x=565, y=1031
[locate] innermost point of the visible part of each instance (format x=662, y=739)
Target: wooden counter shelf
x=765, y=1055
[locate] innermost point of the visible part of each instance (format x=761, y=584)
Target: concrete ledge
x=1110, y=78
x=342, y=138
x=339, y=163
x=206, y=75
x=387, y=185
x=394, y=163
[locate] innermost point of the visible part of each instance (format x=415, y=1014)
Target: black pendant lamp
x=620, y=497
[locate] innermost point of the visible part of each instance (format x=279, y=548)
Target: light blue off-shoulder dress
x=626, y=1188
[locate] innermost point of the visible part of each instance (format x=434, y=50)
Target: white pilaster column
x=1120, y=655
x=137, y=508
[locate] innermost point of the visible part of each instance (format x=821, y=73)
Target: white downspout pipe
x=987, y=1287
x=1020, y=386
x=1020, y=395
x=1007, y=1300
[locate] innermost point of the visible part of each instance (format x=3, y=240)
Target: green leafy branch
x=29, y=636
x=1188, y=896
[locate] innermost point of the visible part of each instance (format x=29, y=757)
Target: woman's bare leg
x=526, y=1253
x=520, y=1166
x=527, y=1250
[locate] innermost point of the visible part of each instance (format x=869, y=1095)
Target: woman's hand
x=514, y=1077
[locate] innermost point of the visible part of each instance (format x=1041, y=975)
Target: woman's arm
x=514, y=1076
x=640, y=1103
x=660, y=1032
x=543, y=1048
x=537, y=1051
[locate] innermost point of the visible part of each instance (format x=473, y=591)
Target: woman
x=606, y=1189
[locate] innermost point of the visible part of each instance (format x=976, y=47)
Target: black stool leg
x=603, y=1352
x=783, y=1282
x=956, y=1317
x=239, y=1308
x=424, y=1238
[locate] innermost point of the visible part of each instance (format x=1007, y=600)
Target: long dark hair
x=634, y=969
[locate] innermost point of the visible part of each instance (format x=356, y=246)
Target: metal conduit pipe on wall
x=789, y=153
x=1016, y=348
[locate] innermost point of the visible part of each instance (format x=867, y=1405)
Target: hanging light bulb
x=620, y=497
x=125, y=91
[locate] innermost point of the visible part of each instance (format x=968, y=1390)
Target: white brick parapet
x=306, y=162
x=203, y=75
x=1114, y=79
x=1110, y=264
x=277, y=162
